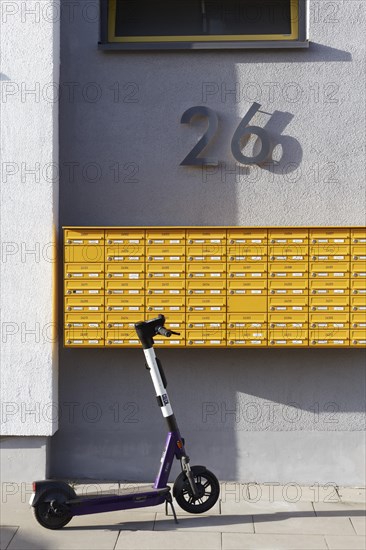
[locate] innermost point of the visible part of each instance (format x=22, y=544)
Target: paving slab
x=63, y=539
x=292, y=492
x=239, y=541
x=359, y=525
x=122, y=519
x=7, y=532
x=285, y=524
x=176, y=541
x=352, y=494
x=345, y=543
x=266, y=507
x=178, y=510
x=235, y=523
x=339, y=508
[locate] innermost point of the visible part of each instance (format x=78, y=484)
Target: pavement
x=247, y=517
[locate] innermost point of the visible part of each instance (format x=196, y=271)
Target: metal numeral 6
x=240, y=137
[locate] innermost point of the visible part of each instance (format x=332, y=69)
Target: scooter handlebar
x=164, y=331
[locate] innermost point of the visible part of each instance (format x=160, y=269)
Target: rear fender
x=46, y=485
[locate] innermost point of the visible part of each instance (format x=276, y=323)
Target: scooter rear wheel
x=208, y=491
x=50, y=510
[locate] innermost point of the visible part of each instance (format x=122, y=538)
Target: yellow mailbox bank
x=217, y=286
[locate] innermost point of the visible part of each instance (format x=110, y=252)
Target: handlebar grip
x=164, y=332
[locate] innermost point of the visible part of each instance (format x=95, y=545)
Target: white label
x=281, y=291
x=297, y=325
x=281, y=274
x=257, y=334
x=256, y=241
x=93, y=291
x=174, y=274
x=239, y=341
x=256, y=324
x=133, y=341
x=118, y=241
x=322, y=324
x=174, y=258
x=339, y=240
x=93, y=325
x=93, y=241
x=134, y=257
x=77, y=341
x=338, y=274
x=362, y=291
x=215, y=325
x=281, y=308
x=215, y=258
x=297, y=291
x=93, y=341
x=339, y=325
x=336, y=291
x=256, y=257
x=253, y=274
x=215, y=342
x=215, y=240
x=132, y=291
x=322, y=308
x=255, y=292
x=93, y=274
x=199, y=241
x=280, y=257
x=174, y=342
x=255, y=341
x=158, y=308
x=133, y=276
x=322, y=240
x=297, y=274
x=298, y=240
x=215, y=308
x=158, y=241
x=93, y=308
x=297, y=341
x=77, y=308
x=197, y=308
x=198, y=257
x=339, y=257
x=174, y=308
x=215, y=291
x=240, y=324
x=173, y=291
x=200, y=275
x=199, y=291
x=198, y=324
x=297, y=308
x=215, y=274
x=174, y=325
x=134, y=308
x=339, y=308
x=198, y=341
x=322, y=274
x=77, y=324
x=117, y=308
x=281, y=240
x=161, y=258
x=134, y=241
x=77, y=274
x=298, y=257
x=239, y=291
x=174, y=241
x=339, y=341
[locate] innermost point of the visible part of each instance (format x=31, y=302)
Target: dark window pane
x=202, y=17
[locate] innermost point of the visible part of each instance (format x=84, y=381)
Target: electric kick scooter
x=196, y=489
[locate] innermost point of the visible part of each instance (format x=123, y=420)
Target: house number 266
x=240, y=137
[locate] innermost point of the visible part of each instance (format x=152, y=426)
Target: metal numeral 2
x=240, y=137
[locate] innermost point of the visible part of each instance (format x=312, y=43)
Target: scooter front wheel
x=51, y=511
x=208, y=489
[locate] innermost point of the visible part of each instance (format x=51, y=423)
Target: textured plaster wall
x=298, y=414
x=29, y=77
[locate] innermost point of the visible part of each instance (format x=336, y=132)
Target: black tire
x=208, y=488
x=55, y=516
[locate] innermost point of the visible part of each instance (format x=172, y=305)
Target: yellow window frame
x=294, y=35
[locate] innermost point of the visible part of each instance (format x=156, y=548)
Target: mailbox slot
x=125, y=303
x=122, y=320
x=329, y=236
x=288, y=304
x=82, y=237
x=84, y=271
x=125, y=287
x=358, y=338
x=203, y=303
x=161, y=304
x=208, y=320
x=84, y=338
x=165, y=236
x=125, y=237
x=202, y=270
x=206, y=236
x=287, y=236
x=278, y=321
x=126, y=270
x=246, y=303
x=79, y=304
x=82, y=321
x=288, y=287
x=329, y=287
x=247, y=236
x=75, y=287
x=324, y=321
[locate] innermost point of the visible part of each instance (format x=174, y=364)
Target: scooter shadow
x=166, y=523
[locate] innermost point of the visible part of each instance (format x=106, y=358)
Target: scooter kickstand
x=169, y=500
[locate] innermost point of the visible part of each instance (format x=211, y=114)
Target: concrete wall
x=29, y=219
x=299, y=413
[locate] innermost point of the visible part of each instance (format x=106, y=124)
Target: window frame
x=298, y=38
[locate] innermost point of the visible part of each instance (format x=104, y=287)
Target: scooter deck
x=120, y=500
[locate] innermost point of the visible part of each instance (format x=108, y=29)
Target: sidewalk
x=267, y=516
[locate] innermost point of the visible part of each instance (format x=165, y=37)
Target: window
x=197, y=24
